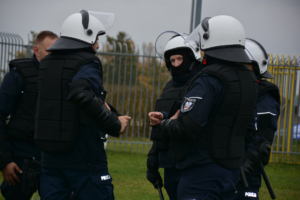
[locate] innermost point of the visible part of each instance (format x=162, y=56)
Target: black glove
x=253, y=159
x=31, y=177
x=154, y=177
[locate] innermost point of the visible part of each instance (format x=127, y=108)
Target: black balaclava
x=184, y=67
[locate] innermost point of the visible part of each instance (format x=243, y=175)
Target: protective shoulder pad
x=271, y=88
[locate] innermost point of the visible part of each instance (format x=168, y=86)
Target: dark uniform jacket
x=87, y=152
x=157, y=156
x=10, y=91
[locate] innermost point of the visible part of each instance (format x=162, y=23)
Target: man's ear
x=36, y=50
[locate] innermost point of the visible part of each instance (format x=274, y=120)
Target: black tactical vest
x=21, y=122
x=170, y=101
x=227, y=125
x=271, y=88
x=58, y=119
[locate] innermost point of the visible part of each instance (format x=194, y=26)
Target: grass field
x=129, y=178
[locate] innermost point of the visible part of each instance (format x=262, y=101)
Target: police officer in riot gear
x=72, y=117
x=259, y=137
x=19, y=156
x=183, y=63
x=207, y=133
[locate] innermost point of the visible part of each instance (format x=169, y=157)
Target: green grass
x=129, y=178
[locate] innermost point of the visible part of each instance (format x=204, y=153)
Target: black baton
x=159, y=191
x=263, y=172
x=244, y=178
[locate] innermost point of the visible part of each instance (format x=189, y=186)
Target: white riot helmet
x=170, y=41
x=259, y=58
x=221, y=37
x=81, y=30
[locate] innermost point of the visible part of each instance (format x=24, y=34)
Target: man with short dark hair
x=19, y=155
x=42, y=42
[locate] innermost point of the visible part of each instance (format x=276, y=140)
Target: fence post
x=28, y=51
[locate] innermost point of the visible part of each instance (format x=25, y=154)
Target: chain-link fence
x=134, y=78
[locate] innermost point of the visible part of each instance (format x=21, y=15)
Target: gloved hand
x=31, y=177
x=264, y=149
x=253, y=159
x=154, y=177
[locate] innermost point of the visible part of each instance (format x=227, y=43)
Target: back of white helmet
x=259, y=57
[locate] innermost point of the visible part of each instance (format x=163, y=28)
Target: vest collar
x=36, y=62
x=179, y=81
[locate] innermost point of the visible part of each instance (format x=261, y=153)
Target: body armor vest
x=170, y=101
x=21, y=122
x=227, y=125
x=58, y=119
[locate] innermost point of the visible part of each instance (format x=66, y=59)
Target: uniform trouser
x=208, y=182
x=57, y=184
x=13, y=192
x=251, y=193
x=172, y=177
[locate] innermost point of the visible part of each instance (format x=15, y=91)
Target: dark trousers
x=57, y=184
x=172, y=177
x=14, y=192
x=207, y=182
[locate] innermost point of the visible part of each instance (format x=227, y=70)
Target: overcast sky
x=274, y=23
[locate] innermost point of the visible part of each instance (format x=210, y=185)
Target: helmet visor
x=107, y=19
x=194, y=39
x=163, y=39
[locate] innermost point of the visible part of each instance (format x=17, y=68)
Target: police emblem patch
x=187, y=104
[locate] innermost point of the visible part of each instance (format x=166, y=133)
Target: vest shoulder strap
x=168, y=85
x=26, y=68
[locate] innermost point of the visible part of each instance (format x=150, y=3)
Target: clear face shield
x=194, y=39
x=163, y=39
x=107, y=19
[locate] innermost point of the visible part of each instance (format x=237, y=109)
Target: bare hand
x=9, y=174
x=155, y=118
x=124, y=123
x=175, y=116
x=107, y=106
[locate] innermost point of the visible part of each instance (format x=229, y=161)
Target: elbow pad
x=172, y=128
x=82, y=96
x=184, y=126
x=80, y=93
x=267, y=134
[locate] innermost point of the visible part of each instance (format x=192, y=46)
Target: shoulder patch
x=187, y=104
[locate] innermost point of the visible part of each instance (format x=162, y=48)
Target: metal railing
x=134, y=78
x=286, y=72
